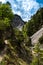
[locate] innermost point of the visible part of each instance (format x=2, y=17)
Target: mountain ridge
x=17, y=22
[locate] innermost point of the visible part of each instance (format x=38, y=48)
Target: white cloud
x=15, y=5
x=29, y=4
x=2, y=1
x=17, y=12
x=25, y=8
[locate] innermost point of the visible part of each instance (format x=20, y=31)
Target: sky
x=25, y=8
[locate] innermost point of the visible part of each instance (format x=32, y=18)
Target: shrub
x=41, y=40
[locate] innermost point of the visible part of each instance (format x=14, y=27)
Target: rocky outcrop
x=35, y=37
x=17, y=22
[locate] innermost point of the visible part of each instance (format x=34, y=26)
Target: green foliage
x=37, y=48
x=34, y=24
x=4, y=24
x=41, y=40
x=2, y=63
x=8, y=3
x=38, y=56
x=5, y=11
x=35, y=61
x=24, y=31
x=6, y=16
x=19, y=36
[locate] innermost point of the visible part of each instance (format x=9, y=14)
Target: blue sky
x=25, y=8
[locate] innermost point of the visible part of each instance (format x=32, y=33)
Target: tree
x=8, y=3
x=6, y=16
x=4, y=24
x=38, y=55
x=41, y=40
x=5, y=11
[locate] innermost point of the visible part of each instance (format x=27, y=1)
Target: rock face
x=17, y=22
x=35, y=37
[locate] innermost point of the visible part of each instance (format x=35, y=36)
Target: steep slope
x=17, y=22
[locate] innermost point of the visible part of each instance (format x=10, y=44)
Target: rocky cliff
x=17, y=22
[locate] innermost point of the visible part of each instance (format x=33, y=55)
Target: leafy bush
x=2, y=63
x=41, y=40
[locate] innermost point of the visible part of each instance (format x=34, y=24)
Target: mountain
x=17, y=22
x=35, y=23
